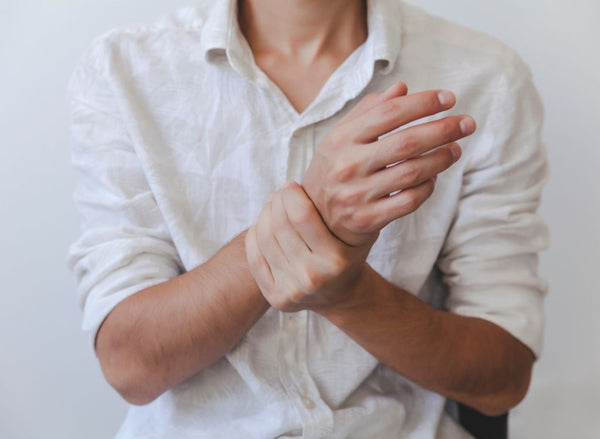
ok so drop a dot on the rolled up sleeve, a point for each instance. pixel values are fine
(490, 258)
(124, 245)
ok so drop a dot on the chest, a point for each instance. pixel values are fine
(215, 148)
(300, 83)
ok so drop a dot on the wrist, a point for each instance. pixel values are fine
(355, 294)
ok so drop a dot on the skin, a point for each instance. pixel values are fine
(164, 334)
(308, 247)
(300, 43)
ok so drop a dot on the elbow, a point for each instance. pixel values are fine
(132, 382)
(496, 407)
(136, 398)
(501, 401)
(504, 378)
(133, 391)
(126, 371)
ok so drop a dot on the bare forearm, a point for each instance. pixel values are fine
(165, 334)
(467, 359)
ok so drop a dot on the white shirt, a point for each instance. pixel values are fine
(180, 139)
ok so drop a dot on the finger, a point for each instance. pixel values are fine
(373, 99)
(399, 111)
(256, 262)
(414, 171)
(389, 208)
(417, 140)
(305, 219)
(291, 243)
(267, 244)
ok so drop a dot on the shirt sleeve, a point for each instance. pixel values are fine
(124, 245)
(490, 257)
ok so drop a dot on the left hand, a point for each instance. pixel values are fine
(296, 261)
(360, 181)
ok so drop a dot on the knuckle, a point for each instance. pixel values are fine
(407, 144)
(448, 158)
(346, 198)
(449, 127)
(411, 202)
(346, 168)
(432, 101)
(411, 173)
(390, 108)
(361, 221)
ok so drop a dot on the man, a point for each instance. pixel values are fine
(227, 300)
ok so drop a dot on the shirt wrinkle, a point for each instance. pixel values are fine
(179, 139)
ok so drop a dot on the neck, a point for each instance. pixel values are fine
(303, 29)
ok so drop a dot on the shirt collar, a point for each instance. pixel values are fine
(217, 27)
(221, 34)
(385, 31)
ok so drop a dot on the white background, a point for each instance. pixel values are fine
(50, 384)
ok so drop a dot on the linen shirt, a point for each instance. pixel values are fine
(180, 139)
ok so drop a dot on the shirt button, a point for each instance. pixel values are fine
(289, 323)
(308, 403)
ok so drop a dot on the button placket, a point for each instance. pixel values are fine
(296, 155)
(317, 417)
(310, 147)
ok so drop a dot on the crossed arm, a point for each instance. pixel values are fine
(307, 250)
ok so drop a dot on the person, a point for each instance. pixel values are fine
(280, 240)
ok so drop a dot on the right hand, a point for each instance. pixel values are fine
(296, 261)
(350, 179)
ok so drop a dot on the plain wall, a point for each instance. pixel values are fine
(50, 382)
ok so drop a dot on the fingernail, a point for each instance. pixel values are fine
(456, 152)
(467, 125)
(446, 98)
